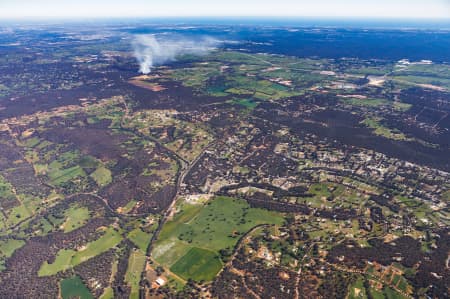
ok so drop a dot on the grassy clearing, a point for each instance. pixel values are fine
(7, 247)
(357, 290)
(167, 252)
(366, 102)
(67, 258)
(391, 294)
(218, 223)
(44, 227)
(376, 294)
(213, 226)
(441, 82)
(321, 189)
(257, 59)
(374, 71)
(428, 70)
(108, 293)
(62, 262)
(136, 264)
(236, 80)
(75, 217)
(246, 103)
(129, 206)
(402, 284)
(60, 176)
(329, 194)
(6, 189)
(17, 214)
(381, 130)
(139, 238)
(102, 176)
(239, 91)
(31, 142)
(74, 288)
(110, 239)
(401, 106)
(262, 89)
(198, 264)
(216, 90)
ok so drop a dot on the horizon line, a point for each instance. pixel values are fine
(235, 16)
(243, 17)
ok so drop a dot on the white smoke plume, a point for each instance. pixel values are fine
(151, 50)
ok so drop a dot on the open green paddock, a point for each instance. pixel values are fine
(212, 226)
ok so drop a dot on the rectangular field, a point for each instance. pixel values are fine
(198, 264)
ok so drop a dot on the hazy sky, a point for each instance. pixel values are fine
(142, 8)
